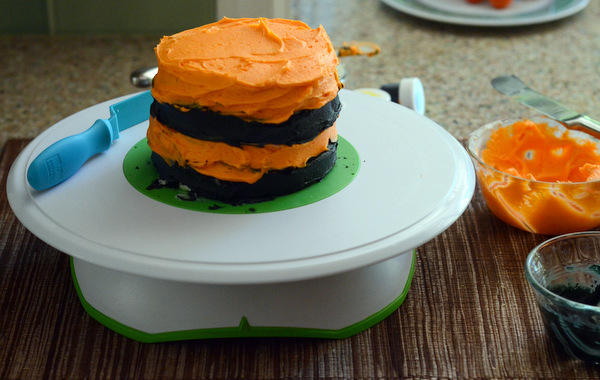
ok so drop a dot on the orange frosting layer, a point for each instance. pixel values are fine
(256, 69)
(535, 151)
(566, 197)
(246, 163)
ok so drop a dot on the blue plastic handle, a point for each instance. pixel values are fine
(63, 158)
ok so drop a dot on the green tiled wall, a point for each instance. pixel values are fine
(104, 16)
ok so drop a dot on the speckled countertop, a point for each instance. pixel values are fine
(46, 78)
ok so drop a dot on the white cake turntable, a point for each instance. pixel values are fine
(331, 268)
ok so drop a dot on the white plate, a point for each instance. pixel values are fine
(484, 8)
(415, 180)
(560, 9)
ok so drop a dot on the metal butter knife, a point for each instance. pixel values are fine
(63, 158)
(512, 86)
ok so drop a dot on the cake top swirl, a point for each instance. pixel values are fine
(257, 69)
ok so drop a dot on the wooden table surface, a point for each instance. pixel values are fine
(469, 314)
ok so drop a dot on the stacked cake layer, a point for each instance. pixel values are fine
(245, 109)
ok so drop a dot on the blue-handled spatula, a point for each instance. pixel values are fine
(63, 158)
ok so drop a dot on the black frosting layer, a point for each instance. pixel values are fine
(208, 125)
(272, 184)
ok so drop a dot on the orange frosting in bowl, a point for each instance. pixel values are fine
(538, 176)
(256, 69)
(535, 151)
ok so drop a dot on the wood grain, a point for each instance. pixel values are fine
(469, 314)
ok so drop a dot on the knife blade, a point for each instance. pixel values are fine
(63, 158)
(512, 86)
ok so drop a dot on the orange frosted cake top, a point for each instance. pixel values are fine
(256, 69)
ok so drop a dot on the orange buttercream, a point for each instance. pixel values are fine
(552, 186)
(246, 163)
(255, 69)
(535, 151)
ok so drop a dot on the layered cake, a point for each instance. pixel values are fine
(245, 109)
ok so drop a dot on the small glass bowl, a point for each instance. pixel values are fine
(565, 274)
(550, 208)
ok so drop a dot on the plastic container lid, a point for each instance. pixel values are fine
(408, 92)
(412, 94)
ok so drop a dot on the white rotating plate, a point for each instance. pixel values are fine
(558, 10)
(415, 180)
